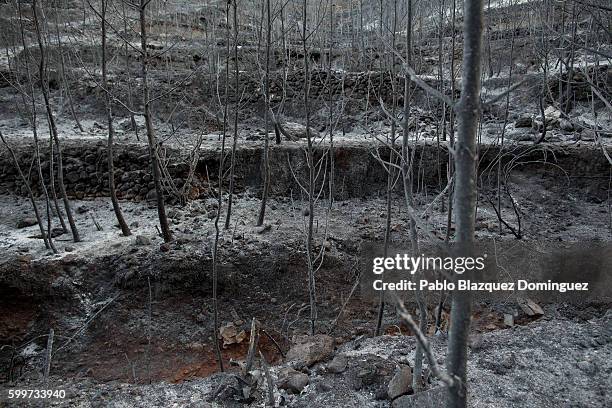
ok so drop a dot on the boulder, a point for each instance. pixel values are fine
(552, 115)
(337, 365)
(588, 135)
(227, 388)
(401, 383)
(432, 398)
(72, 177)
(525, 120)
(142, 240)
(566, 125)
(151, 195)
(127, 125)
(292, 380)
(309, 350)
(26, 222)
(295, 131)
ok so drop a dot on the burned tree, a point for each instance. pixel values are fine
(468, 111)
(54, 134)
(125, 229)
(154, 147)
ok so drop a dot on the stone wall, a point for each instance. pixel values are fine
(357, 172)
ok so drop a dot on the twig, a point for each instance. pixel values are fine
(48, 356)
(433, 364)
(96, 223)
(278, 347)
(87, 323)
(335, 322)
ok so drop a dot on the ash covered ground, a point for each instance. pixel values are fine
(133, 315)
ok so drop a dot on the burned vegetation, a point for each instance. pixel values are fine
(189, 191)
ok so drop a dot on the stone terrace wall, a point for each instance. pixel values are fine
(357, 173)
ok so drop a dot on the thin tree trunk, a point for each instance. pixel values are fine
(230, 198)
(451, 140)
(128, 72)
(63, 73)
(52, 126)
(58, 211)
(266, 150)
(34, 125)
(46, 239)
(311, 175)
(111, 133)
(391, 173)
(152, 139)
(465, 194)
(407, 176)
(331, 106)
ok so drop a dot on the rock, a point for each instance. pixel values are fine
(72, 177)
(263, 228)
(366, 377)
(231, 334)
(530, 307)
(227, 387)
(520, 136)
(337, 365)
(151, 195)
(26, 222)
(566, 125)
(502, 364)
(537, 125)
(292, 380)
(309, 350)
(142, 240)
(476, 341)
(165, 247)
(508, 319)
(324, 387)
(525, 120)
(295, 131)
(211, 204)
(587, 135)
(69, 248)
(401, 383)
(552, 114)
(57, 231)
(432, 398)
(126, 124)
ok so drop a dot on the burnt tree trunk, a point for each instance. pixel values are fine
(468, 111)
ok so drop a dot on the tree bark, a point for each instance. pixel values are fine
(52, 126)
(230, 198)
(468, 111)
(151, 138)
(111, 133)
(266, 148)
